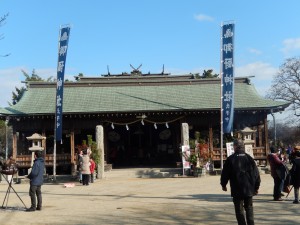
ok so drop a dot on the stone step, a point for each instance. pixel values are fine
(144, 172)
(107, 167)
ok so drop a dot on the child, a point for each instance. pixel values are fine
(92, 168)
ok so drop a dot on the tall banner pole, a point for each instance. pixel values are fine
(227, 81)
(62, 55)
(221, 99)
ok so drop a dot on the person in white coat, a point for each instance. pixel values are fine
(85, 167)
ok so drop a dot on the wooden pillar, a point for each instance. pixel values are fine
(254, 136)
(15, 141)
(72, 145)
(267, 147)
(106, 151)
(44, 143)
(211, 138)
(260, 135)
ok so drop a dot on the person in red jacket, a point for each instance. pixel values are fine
(92, 168)
(277, 172)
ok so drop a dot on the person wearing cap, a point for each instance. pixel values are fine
(295, 175)
(241, 170)
(36, 177)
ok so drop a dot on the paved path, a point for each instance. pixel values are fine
(144, 201)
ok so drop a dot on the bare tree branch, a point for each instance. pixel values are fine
(2, 21)
(3, 18)
(286, 83)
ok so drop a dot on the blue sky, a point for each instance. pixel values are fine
(182, 35)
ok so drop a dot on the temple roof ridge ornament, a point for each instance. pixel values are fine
(136, 71)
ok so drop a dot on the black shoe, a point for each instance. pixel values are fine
(296, 202)
(39, 208)
(282, 194)
(30, 209)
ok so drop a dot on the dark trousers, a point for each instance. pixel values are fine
(278, 187)
(92, 178)
(85, 179)
(296, 193)
(241, 204)
(35, 193)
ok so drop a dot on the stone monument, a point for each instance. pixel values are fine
(36, 145)
(248, 140)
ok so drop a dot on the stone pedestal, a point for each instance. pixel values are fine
(100, 148)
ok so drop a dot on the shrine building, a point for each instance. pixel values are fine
(135, 119)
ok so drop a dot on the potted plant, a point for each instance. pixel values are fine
(203, 155)
(192, 159)
(95, 154)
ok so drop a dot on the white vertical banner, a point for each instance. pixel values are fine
(186, 152)
(229, 148)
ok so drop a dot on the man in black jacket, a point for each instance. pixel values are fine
(36, 180)
(241, 170)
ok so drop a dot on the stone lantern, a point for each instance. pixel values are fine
(36, 144)
(248, 140)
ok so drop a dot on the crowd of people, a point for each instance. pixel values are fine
(283, 177)
(241, 171)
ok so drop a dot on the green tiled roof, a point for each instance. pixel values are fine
(113, 97)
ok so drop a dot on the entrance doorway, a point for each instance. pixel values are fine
(142, 146)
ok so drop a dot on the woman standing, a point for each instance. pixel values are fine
(85, 167)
